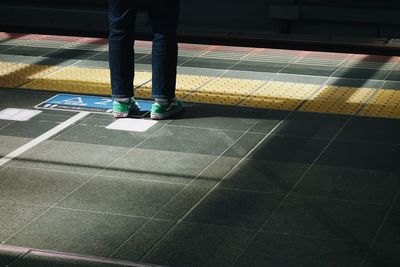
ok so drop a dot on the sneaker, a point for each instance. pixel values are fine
(122, 110)
(159, 112)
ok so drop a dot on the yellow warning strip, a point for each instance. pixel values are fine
(206, 89)
(338, 100)
(385, 103)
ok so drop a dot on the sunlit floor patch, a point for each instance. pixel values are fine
(338, 100)
(17, 114)
(132, 125)
(385, 103)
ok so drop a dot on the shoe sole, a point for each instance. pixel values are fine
(163, 116)
(119, 115)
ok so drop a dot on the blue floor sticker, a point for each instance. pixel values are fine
(96, 104)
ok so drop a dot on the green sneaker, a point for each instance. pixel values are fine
(122, 110)
(159, 112)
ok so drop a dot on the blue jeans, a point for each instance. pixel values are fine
(164, 20)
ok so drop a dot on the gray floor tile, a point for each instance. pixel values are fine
(48, 259)
(244, 145)
(122, 196)
(32, 128)
(219, 117)
(15, 216)
(210, 63)
(270, 249)
(249, 75)
(327, 218)
(72, 53)
(362, 155)
(4, 123)
(157, 165)
(309, 70)
(192, 193)
(269, 121)
(394, 76)
(64, 230)
(392, 85)
(235, 208)
(29, 51)
(382, 255)
(252, 66)
(390, 233)
(264, 176)
(89, 63)
(359, 73)
(143, 240)
(73, 157)
(191, 140)
(354, 82)
(21, 98)
(350, 184)
(37, 186)
(374, 130)
(289, 149)
(199, 245)
(284, 77)
(182, 203)
(10, 254)
(200, 71)
(311, 125)
(10, 143)
(93, 132)
(212, 175)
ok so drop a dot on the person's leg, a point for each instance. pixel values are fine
(122, 16)
(164, 20)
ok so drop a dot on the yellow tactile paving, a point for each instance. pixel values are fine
(184, 85)
(208, 89)
(280, 95)
(213, 98)
(231, 86)
(226, 91)
(385, 103)
(19, 74)
(337, 99)
(83, 80)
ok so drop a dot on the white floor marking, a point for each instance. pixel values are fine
(43, 137)
(133, 125)
(17, 114)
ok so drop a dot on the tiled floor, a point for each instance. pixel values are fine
(216, 186)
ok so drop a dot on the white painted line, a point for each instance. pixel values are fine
(132, 125)
(18, 114)
(43, 137)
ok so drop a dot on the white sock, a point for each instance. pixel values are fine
(122, 99)
(162, 101)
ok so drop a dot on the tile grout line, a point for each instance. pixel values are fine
(291, 190)
(366, 103)
(380, 227)
(90, 179)
(12, 164)
(45, 136)
(385, 218)
(186, 186)
(215, 186)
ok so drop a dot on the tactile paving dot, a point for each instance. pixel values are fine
(20, 74)
(4, 66)
(230, 86)
(213, 98)
(280, 95)
(385, 103)
(339, 100)
(81, 80)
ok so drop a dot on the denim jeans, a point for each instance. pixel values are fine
(164, 19)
